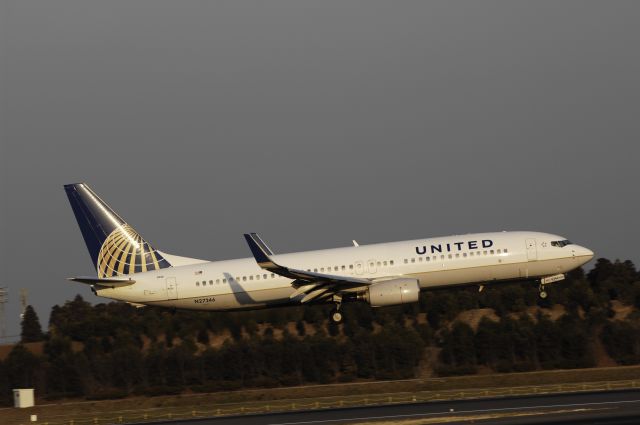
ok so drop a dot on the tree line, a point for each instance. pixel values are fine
(114, 350)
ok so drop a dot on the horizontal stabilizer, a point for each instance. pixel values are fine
(106, 282)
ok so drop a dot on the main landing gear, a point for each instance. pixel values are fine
(336, 314)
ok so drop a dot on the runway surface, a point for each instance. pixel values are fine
(612, 407)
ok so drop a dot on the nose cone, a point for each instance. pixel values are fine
(585, 254)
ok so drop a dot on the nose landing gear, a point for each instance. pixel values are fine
(547, 280)
(543, 293)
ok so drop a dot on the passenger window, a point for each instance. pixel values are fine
(464, 254)
(211, 282)
(420, 259)
(273, 275)
(457, 255)
(384, 263)
(197, 283)
(491, 252)
(391, 262)
(413, 260)
(343, 267)
(442, 257)
(224, 280)
(499, 251)
(428, 258)
(450, 256)
(505, 250)
(264, 276)
(406, 261)
(322, 269)
(350, 266)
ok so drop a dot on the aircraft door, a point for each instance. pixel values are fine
(359, 267)
(172, 288)
(532, 251)
(372, 266)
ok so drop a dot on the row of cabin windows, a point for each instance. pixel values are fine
(266, 276)
(237, 279)
(344, 268)
(457, 255)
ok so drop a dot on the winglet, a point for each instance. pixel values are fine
(260, 251)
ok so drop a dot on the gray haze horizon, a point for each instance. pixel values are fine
(313, 123)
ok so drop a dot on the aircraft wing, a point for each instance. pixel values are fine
(111, 282)
(313, 285)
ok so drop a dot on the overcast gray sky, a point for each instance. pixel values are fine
(314, 123)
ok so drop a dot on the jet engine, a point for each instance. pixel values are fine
(392, 292)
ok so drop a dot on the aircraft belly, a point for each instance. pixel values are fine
(234, 301)
(467, 275)
(546, 267)
(488, 273)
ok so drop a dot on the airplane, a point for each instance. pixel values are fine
(129, 269)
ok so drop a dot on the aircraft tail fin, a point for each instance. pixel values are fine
(115, 247)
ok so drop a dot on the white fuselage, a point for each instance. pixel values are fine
(436, 262)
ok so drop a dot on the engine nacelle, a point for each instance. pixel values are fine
(392, 292)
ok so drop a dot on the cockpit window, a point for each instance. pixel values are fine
(561, 243)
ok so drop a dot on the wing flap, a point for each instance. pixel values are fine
(303, 290)
(311, 295)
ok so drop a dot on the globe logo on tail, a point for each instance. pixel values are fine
(125, 252)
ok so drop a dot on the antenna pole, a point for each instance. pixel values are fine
(4, 298)
(23, 301)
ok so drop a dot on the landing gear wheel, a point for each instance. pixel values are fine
(336, 316)
(543, 293)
